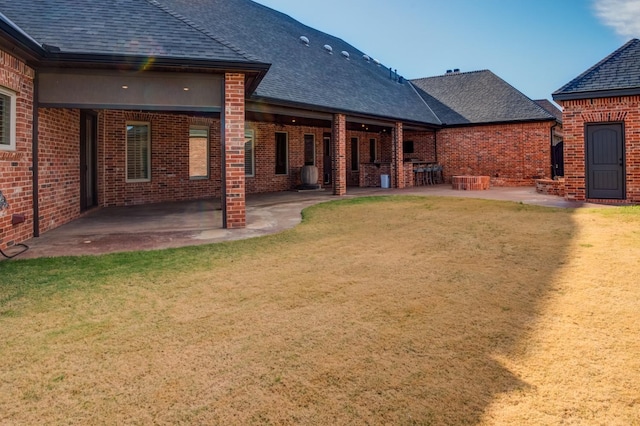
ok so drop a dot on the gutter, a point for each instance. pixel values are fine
(35, 191)
(356, 114)
(594, 94)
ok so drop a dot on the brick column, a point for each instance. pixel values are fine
(397, 165)
(339, 154)
(233, 184)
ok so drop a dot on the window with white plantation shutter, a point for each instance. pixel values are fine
(138, 152)
(249, 153)
(198, 152)
(7, 119)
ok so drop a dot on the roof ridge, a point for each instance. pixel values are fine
(425, 102)
(451, 74)
(612, 55)
(202, 30)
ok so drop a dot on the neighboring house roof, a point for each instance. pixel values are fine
(550, 108)
(306, 75)
(478, 97)
(616, 75)
(117, 27)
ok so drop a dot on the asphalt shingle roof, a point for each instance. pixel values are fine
(242, 31)
(117, 27)
(477, 97)
(618, 71)
(306, 75)
(550, 108)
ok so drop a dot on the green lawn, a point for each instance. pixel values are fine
(381, 310)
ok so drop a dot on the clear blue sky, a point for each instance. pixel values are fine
(535, 45)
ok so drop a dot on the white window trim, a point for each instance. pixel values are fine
(286, 164)
(12, 120)
(251, 134)
(126, 155)
(208, 154)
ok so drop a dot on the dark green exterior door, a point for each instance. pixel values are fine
(605, 161)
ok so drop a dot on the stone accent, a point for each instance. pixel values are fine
(470, 183)
(339, 154)
(234, 210)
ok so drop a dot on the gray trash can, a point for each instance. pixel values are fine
(384, 181)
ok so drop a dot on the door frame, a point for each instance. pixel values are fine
(621, 161)
(88, 160)
(327, 158)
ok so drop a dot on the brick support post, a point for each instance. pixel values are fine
(233, 185)
(339, 154)
(397, 166)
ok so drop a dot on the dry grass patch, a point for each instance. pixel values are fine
(388, 310)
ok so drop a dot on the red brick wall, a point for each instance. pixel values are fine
(423, 146)
(511, 154)
(339, 154)
(265, 179)
(576, 114)
(169, 159)
(397, 161)
(234, 135)
(15, 165)
(59, 151)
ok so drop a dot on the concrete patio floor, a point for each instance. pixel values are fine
(179, 224)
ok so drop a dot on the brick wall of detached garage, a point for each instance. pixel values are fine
(514, 154)
(15, 163)
(579, 113)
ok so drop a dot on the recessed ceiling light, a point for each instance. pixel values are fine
(186, 89)
(124, 86)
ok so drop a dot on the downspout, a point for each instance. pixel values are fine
(35, 160)
(223, 155)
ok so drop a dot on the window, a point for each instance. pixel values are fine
(373, 151)
(309, 150)
(355, 158)
(198, 152)
(249, 153)
(7, 119)
(407, 147)
(138, 152)
(281, 153)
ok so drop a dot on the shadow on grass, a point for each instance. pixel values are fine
(375, 310)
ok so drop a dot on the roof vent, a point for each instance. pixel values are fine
(377, 62)
(366, 58)
(328, 49)
(304, 40)
(345, 54)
